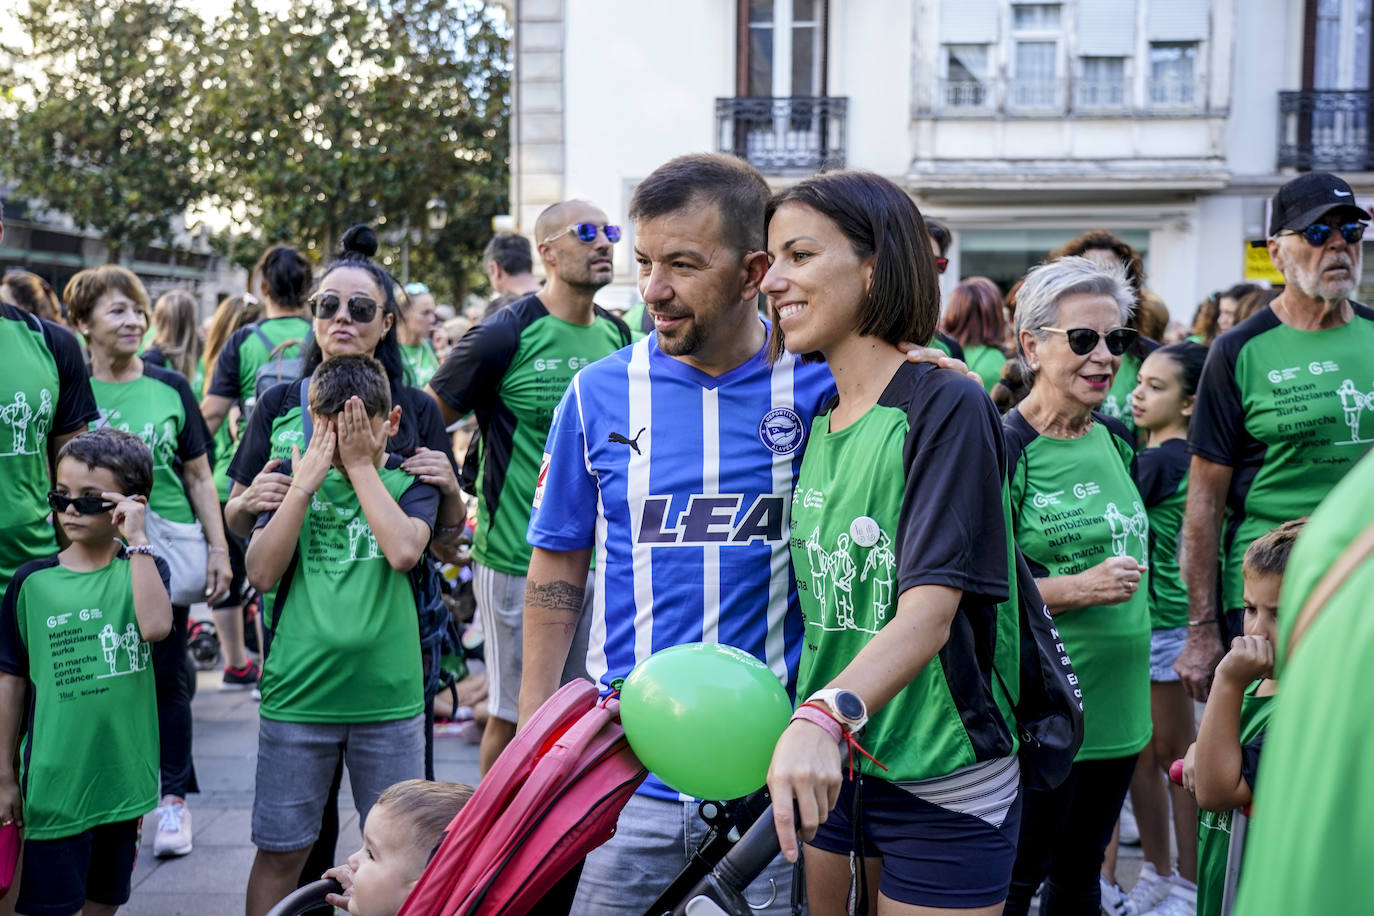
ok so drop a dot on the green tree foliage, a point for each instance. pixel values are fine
(98, 114)
(333, 113)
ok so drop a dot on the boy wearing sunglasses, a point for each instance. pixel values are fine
(1283, 407)
(88, 715)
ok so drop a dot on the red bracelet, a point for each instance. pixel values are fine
(809, 713)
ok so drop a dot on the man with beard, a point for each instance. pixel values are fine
(1269, 435)
(512, 369)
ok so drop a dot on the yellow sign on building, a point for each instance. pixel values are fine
(1258, 266)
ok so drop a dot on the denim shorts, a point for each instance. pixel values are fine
(296, 763)
(1166, 646)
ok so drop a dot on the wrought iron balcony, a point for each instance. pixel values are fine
(1326, 129)
(780, 136)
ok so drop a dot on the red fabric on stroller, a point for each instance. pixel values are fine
(552, 796)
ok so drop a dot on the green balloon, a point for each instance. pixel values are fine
(704, 718)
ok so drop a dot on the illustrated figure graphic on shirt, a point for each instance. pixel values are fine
(1354, 402)
(881, 561)
(145, 653)
(129, 641)
(17, 416)
(842, 582)
(356, 530)
(819, 561)
(42, 421)
(1121, 529)
(1111, 408)
(1139, 525)
(109, 645)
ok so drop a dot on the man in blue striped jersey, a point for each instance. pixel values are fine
(675, 458)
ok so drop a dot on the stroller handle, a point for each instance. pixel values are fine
(725, 884)
(302, 898)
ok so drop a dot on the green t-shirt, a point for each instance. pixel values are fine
(421, 362)
(1289, 412)
(160, 409)
(1310, 845)
(345, 637)
(90, 753)
(1074, 504)
(512, 369)
(43, 393)
(638, 320)
(236, 371)
(1118, 402)
(1161, 476)
(987, 362)
(1214, 828)
(865, 529)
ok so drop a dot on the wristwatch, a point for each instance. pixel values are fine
(845, 705)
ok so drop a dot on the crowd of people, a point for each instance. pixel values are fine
(790, 446)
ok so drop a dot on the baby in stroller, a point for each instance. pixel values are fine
(403, 830)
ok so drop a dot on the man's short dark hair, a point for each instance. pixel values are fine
(510, 252)
(940, 233)
(733, 185)
(123, 454)
(336, 380)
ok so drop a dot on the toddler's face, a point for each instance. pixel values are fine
(385, 869)
(1262, 606)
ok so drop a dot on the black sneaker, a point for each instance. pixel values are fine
(240, 678)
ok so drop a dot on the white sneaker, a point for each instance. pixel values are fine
(1182, 899)
(1113, 898)
(1148, 892)
(1129, 834)
(173, 837)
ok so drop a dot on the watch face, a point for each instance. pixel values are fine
(849, 704)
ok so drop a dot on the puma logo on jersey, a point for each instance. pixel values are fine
(632, 443)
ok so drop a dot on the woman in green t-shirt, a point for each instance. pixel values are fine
(413, 334)
(1082, 526)
(906, 610)
(974, 316)
(110, 307)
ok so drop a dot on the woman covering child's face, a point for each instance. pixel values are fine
(1158, 400)
(1262, 605)
(385, 869)
(76, 478)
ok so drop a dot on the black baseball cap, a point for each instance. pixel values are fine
(1307, 198)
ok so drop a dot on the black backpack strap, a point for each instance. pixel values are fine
(307, 424)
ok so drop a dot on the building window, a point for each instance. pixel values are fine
(1173, 73)
(966, 76)
(1037, 17)
(785, 48)
(1103, 82)
(1035, 34)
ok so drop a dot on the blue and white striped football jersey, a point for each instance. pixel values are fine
(683, 483)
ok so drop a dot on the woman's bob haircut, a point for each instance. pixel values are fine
(881, 221)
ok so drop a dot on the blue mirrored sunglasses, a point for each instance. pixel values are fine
(586, 232)
(1317, 234)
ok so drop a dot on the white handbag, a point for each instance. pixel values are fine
(182, 545)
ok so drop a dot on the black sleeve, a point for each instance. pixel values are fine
(952, 527)
(224, 381)
(194, 439)
(421, 501)
(255, 447)
(154, 357)
(1249, 759)
(14, 656)
(471, 375)
(955, 349)
(1217, 430)
(75, 400)
(266, 516)
(1159, 470)
(620, 325)
(429, 425)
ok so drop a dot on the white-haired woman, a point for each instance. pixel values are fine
(1081, 524)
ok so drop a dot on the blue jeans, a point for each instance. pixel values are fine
(654, 839)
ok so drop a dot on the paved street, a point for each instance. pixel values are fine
(210, 881)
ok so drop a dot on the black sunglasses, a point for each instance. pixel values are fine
(85, 505)
(586, 232)
(1318, 233)
(1084, 340)
(360, 308)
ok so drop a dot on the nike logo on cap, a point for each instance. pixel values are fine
(1341, 193)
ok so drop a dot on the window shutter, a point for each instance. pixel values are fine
(968, 21)
(1177, 20)
(1106, 28)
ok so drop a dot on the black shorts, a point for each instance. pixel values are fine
(931, 856)
(238, 573)
(60, 875)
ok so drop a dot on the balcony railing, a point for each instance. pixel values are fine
(784, 135)
(1326, 129)
(1107, 97)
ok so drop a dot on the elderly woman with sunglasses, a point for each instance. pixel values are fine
(1081, 525)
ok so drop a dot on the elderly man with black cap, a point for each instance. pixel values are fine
(1285, 407)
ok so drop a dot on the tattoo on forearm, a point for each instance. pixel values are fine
(555, 596)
